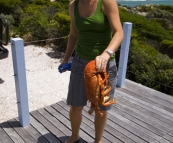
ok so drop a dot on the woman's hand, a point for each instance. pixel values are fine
(101, 62)
(62, 63)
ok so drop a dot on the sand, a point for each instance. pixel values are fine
(45, 85)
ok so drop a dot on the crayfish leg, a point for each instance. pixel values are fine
(110, 102)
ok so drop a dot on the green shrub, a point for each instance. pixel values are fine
(161, 16)
(146, 28)
(41, 2)
(8, 6)
(167, 8)
(59, 26)
(144, 8)
(34, 22)
(147, 66)
(64, 23)
(164, 77)
(167, 48)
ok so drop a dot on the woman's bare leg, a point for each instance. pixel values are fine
(100, 122)
(75, 120)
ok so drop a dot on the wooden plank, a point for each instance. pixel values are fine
(91, 130)
(136, 126)
(129, 83)
(145, 113)
(106, 134)
(36, 135)
(58, 116)
(171, 133)
(138, 121)
(11, 132)
(150, 97)
(4, 138)
(21, 131)
(122, 130)
(125, 132)
(110, 136)
(56, 123)
(85, 117)
(63, 104)
(147, 100)
(43, 131)
(49, 126)
(109, 130)
(66, 122)
(66, 131)
(145, 103)
(130, 127)
(164, 141)
(116, 135)
(168, 137)
(132, 112)
(67, 108)
(86, 129)
(155, 113)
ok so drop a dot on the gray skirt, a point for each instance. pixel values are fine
(77, 92)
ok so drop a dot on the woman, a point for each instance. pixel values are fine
(95, 33)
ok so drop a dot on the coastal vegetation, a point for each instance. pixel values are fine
(151, 49)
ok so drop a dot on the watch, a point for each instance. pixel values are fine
(110, 52)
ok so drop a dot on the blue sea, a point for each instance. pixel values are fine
(133, 3)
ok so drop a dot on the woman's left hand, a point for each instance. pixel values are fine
(101, 62)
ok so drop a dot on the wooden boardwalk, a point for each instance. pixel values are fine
(141, 115)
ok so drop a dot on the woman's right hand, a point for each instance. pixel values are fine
(62, 63)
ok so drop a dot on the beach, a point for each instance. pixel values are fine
(45, 85)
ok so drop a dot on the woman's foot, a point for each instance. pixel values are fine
(72, 140)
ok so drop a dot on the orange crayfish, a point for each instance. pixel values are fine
(97, 88)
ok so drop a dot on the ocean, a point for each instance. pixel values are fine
(133, 3)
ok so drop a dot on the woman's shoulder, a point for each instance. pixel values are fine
(72, 3)
(109, 2)
(109, 5)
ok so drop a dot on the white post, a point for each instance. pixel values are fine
(20, 80)
(124, 52)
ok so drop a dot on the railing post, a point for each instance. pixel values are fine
(20, 80)
(124, 52)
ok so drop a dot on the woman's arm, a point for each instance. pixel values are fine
(110, 9)
(73, 35)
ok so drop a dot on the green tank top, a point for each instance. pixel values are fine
(94, 33)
